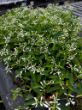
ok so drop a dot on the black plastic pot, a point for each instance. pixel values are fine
(40, 108)
(6, 85)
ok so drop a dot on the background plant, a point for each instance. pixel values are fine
(41, 48)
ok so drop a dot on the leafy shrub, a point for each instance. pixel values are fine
(40, 46)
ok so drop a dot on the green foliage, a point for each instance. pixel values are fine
(40, 46)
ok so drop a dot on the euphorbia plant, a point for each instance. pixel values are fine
(40, 46)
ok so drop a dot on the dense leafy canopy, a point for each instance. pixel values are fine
(40, 46)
